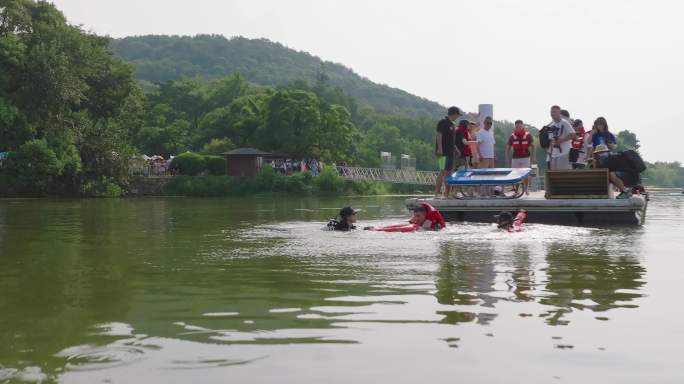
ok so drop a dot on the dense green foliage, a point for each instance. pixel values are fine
(33, 167)
(269, 181)
(66, 104)
(627, 140)
(216, 165)
(298, 120)
(162, 58)
(189, 164)
(669, 175)
(218, 146)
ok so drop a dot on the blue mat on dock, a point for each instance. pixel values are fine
(489, 176)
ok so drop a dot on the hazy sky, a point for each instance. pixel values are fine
(622, 59)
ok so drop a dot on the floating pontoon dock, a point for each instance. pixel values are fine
(554, 211)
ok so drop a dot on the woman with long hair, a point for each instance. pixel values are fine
(601, 135)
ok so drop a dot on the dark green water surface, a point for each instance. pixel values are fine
(175, 290)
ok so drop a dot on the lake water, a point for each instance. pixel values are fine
(175, 290)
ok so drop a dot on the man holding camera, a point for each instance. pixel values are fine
(561, 135)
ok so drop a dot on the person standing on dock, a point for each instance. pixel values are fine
(461, 138)
(472, 144)
(566, 115)
(581, 145)
(445, 149)
(486, 142)
(522, 145)
(561, 135)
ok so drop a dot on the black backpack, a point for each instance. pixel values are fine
(633, 157)
(544, 139)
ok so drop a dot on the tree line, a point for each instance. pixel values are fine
(67, 105)
(298, 120)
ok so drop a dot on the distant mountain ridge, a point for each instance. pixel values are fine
(160, 58)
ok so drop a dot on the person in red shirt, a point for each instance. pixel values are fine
(461, 139)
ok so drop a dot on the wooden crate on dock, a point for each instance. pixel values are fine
(577, 184)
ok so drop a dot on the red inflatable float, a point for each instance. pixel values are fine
(408, 227)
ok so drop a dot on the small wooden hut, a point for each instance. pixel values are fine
(244, 161)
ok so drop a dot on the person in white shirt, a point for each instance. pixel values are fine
(485, 143)
(561, 135)
(565, 114)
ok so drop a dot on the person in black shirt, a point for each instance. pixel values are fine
(444, 148)
(346, 222)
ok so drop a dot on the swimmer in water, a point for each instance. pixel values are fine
(425, 217)
(506, 221)
(420, 219)
(346, 222)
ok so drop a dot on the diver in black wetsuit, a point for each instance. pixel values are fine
(346, 222)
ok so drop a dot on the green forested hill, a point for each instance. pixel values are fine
(161, 58)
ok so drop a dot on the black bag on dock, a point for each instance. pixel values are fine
(544, 139)
(636, 160)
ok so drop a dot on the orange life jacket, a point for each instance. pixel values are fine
(521, 144)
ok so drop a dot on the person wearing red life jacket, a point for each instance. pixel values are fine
(425, 217)
(472, 144)
(580, 146)
(520, 150)
(461, 140)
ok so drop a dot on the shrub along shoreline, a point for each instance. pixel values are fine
(270, 181)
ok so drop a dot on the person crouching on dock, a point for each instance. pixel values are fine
(623, 173)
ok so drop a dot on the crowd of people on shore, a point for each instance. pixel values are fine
(460, 143)
(290, 166)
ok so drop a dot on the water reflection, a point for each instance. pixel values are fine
(583, 279)
(592, 273)
(466, 276)
(182, 284)
(523, 274)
